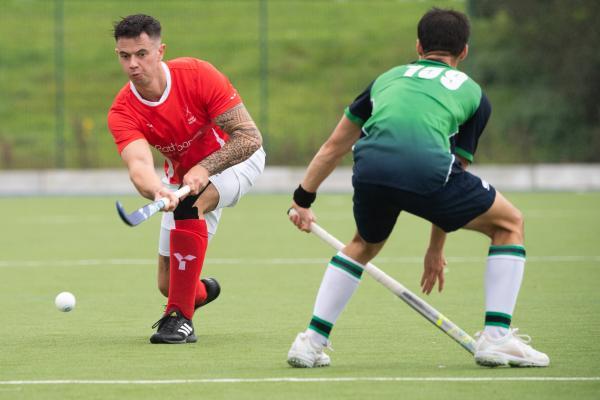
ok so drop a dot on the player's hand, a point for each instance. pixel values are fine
(433, 272)
(302, 218)
(173, 200)
(197, 179)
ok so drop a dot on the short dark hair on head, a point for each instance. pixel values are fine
(443, 30)
(134, 25)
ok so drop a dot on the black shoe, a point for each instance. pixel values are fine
(173, 328)
(213, 290)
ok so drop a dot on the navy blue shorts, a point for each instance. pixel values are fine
(463, 198)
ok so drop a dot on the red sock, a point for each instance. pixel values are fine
(200, 294)
(188, 247)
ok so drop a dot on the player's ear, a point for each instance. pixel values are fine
(161, 50)
(419, 48)
(463, 54)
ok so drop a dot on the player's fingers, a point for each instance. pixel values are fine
(299, 222)
(424, 280)
(305, 225)
(427, 288)
(296, 222)
(190, 183)
(293, 218)
(441, 281)
(173, 203)
(302, 226)
(169, 206)
(195, 183)
(194, 188)
(429, 282)
(433, 280)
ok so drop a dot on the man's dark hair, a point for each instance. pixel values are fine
(443, 30)
(133, 26)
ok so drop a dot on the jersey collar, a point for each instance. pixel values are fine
(433, 62)
(165, 94)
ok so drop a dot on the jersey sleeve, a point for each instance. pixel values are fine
(216, 92)
(361, 108)
(123, 128)
(467, 138)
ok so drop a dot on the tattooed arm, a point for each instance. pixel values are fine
(244, 140)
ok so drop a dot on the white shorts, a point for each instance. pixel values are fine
(231, 184)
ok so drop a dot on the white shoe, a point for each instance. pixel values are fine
(305, 353)
(511, 349)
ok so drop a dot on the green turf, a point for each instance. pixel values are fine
(270, 274)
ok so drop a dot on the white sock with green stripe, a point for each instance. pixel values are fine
(503, 276)
(341, 279)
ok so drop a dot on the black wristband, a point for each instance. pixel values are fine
(303, 198)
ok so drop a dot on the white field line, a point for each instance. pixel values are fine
(304, 380)
(273, 261)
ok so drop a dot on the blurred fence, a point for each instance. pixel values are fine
(277, 179)
(296, 63)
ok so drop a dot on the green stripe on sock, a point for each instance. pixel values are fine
(498, 314)
(320, 326)
(507, 326)
(343, 264)
(493, 318)
(511, 250)
(514, 247)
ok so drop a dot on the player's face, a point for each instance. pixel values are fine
(140, 58)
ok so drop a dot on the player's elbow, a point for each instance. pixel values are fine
(255, 142)
(136, 174)
(333, 150)
(250, 140)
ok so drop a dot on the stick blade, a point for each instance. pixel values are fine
(141, 214)
(132, 219)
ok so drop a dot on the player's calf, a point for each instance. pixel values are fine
(188, 242)
(207, 290)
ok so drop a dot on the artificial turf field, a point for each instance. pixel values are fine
(269, 274)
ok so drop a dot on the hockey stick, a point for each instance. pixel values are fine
(417, 304)
(142, 214)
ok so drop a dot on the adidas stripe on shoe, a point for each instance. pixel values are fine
(173, 328)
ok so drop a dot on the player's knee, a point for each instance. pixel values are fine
(361, 251)
(517, 221)
(510, 229)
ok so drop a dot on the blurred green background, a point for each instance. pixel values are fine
(297, 64)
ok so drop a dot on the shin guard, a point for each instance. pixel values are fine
(188, 248)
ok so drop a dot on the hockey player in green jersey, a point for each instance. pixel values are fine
(413, 132)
